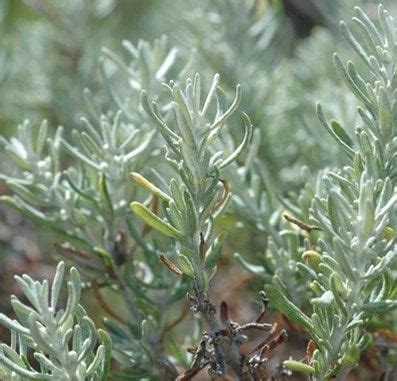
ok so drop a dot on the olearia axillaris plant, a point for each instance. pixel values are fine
(352, 266)
(107, 147)
(192, 203)
(238, 40)
(288, 238)
(62, 340)
(338, 232)
(86, 203)
(149, 68)
(193, 200)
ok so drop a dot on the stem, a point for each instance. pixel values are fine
(208, 312)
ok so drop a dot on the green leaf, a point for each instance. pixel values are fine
(104, 256)
(247, 136)
(36, 215)
(17, 158)
(380, 307)
(41, 137)
(90, 143)
(355, 89)
(167, 134)
(281, 302)
(232, 108)
(325, 299)
(255, 269)
(333, 212)
(145, 183)
(365, 341)
(331, 131)
(22, 371)
(104, 194)
(385, 115)
(215, 250)
(341, 132)
(313, 257)
(107, 343)
(185, 265)
(57, 284)
(155, 222)
(298, 366)
(79, 156)
(354, 43)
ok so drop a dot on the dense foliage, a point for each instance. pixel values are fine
(198, 190)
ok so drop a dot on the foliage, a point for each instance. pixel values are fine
(160, 179)
(355, 208)
(63, 341)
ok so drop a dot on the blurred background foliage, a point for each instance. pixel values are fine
(280, 51)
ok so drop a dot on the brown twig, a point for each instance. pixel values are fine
(219, 348)
(300, 224)
(254, 325)
(171, 265)
(282, 336)
(203, 248)
(200, 361)
(310, 348)
(81, 257)
(265, 302)
(271, 336)
(201, 304)
(103, 304)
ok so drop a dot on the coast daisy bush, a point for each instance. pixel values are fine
(212, 199)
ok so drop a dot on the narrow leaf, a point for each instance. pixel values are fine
(281, 302)
(154, 221)
(150, 186)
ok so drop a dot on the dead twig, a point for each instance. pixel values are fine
(101, 301)
(301, 224)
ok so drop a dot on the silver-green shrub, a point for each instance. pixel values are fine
(162, 177)
(350, 265)
(62, 340)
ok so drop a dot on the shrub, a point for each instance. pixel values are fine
(160, 182)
